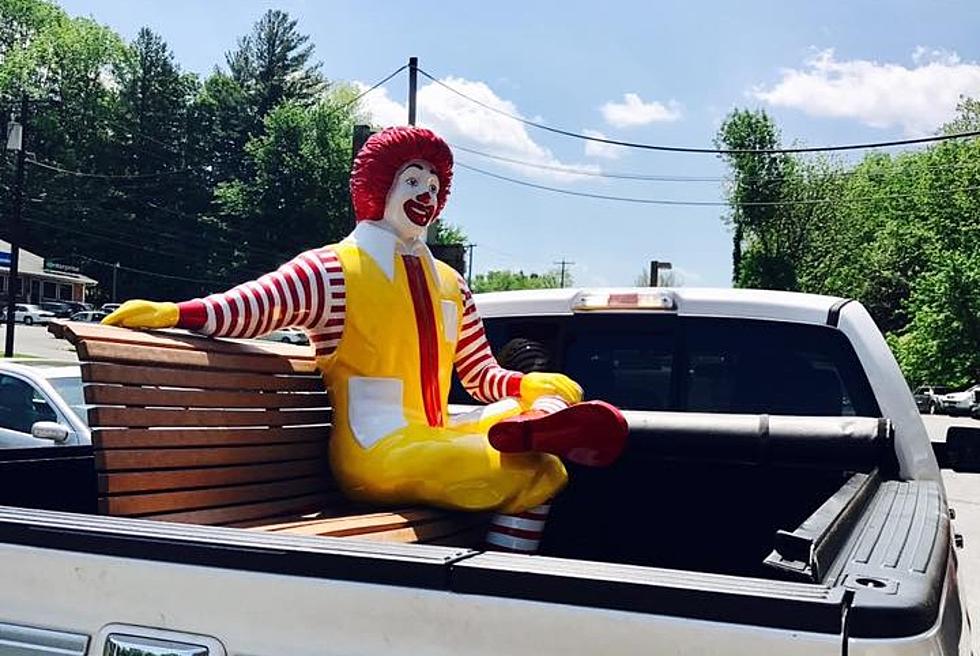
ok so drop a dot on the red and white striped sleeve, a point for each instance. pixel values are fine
(308, 292)
(476, 366)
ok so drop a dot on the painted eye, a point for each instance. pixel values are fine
(433, 189)
(412, 182)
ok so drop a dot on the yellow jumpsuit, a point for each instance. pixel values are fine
(384, 448)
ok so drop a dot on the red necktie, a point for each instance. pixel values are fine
(425, 320)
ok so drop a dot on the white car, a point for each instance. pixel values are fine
(958, 403)
(89, 316)
(41, 404)
(287, 336)
(29, 314)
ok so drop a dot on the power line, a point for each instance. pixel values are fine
(654, 177)
(107, 176)
(596, 174)
(709, 151)
(699, 203)
(377, 84)
(156, 274)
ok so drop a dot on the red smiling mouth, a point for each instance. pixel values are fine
(418, 213)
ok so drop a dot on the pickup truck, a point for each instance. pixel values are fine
(779, 494)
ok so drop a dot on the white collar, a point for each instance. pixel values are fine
(383, 246)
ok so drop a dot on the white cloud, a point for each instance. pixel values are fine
(918, 99)
(460, 121)
(633, 111)
(599, 149)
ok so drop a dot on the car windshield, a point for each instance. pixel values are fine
(70, 389)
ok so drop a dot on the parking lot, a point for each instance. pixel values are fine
(35, 341)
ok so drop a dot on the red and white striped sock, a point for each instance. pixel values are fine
(549, 404)
(519, 533)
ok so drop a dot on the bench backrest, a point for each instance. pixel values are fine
(206, 431)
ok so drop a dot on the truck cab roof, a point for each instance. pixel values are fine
(739, 303)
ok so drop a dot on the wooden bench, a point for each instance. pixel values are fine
(221, 432)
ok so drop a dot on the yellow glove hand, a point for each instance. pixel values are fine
(537, 384)
(144, 314)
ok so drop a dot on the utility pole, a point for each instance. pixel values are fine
(564, 264)
(469, 265)
(16, 142)
(655, 269)
(115, 273)
(413, 79)
(358, 138)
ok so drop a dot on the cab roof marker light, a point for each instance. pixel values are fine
(626, 301)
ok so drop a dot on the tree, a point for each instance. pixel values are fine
(759, 225)
(272, 65)
(153, 101)
(941, 344)
(298, 197)
(502, 280)
(448, 234)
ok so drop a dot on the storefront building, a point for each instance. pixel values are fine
(40, 280)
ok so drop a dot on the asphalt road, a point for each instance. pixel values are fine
(963, 489)
(37, 342)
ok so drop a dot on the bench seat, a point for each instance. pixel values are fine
(230, 433)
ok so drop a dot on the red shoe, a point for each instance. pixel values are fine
(592, 433)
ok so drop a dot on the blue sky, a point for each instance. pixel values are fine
(829, 72)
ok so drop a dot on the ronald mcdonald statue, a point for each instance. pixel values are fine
(388, 323)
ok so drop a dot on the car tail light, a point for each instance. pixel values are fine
(627, 300)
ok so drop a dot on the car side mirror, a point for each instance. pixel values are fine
(50, 430)
(961, 450)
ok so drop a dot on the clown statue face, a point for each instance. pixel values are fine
(412, 202)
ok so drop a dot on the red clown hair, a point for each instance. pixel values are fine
(380, 158)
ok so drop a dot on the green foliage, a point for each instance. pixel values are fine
(297, 197)
(448, 234)
(899, 233)
(503, 280)
(236, 172)
(272, 64)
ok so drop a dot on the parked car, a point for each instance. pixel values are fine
(41, 404)
(110, 307)
(927, 398)
(78, 306)
(287, 336)
(29, 314)
(57, 308)
(90, 316)
(958, 403)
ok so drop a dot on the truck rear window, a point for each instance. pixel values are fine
(695, 364)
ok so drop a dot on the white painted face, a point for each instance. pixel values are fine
(412, 200)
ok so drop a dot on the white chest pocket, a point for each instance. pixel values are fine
(376, 408)
(450, 321)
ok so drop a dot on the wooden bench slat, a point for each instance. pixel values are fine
(150, 459)
(153, 396)
(168, 357)
(179, 479)
(146, 417)
(151, 438)
(89, 332)
(144, 504)
(473, 536)
(349, 525)
(104, 372)
(230, 515)
(422, 533)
